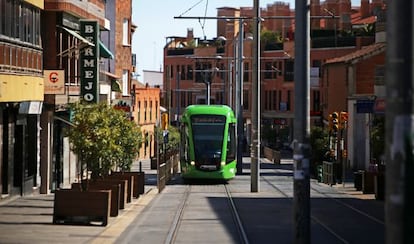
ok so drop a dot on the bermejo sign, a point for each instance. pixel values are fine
(89, 56)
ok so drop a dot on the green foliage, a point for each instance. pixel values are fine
(319, 142)
(103, 138)
(173, 137)
(271, 40)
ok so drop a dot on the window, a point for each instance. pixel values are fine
(150, 111)
(139, 112)
(274, 100)
(231, 143)
(125, 83)
(125, 32)
(246, 100)
(183, 74)
(145, 110)
(246, 72)
(20, 21)
(156, 110)
(289, 67)
(189, 72)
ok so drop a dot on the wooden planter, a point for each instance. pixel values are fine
(102, 185)
(139, 181)
(73, 206)
(123, 194)
(129, 178)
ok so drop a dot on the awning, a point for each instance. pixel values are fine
(104, 52)
(115, 85)
(75, 34)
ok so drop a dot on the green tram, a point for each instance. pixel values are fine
(208, 142)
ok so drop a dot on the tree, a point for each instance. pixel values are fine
(319, 142)
(103, 138)
(271, 40)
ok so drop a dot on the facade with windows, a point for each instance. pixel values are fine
(146, 113)
(64, 44)
(21, 95)
(193, 65)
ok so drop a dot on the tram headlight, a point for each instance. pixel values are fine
(192, 163)
(223, 163)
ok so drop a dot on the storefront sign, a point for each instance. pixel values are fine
(54, 81)
(89, 62)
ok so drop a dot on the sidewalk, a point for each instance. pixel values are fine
(28, 219)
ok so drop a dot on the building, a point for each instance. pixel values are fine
(355, 83)
(195, 69)
(118, 39)
(21, 96)
(153, 78)
(146, 113)
(66, 42)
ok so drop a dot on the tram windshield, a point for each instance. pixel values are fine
(208, 132)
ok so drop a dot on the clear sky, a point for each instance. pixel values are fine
(155, 21)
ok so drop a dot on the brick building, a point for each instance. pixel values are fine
(21, 96)
(191, 62)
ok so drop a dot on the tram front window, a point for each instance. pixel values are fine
(208, 134)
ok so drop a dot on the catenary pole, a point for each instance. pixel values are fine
(255, 133)
(301, 150)
(399, 123)
(239, 90)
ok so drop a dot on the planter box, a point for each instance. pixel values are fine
(358, 180)
(72, 206)
(102, 185)
(130, 185)
(139, 181)
(123, 194)
(368, 182)
(154, 163)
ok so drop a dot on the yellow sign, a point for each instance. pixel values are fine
(54, 81)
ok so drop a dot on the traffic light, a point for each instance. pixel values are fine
(335, 123)
(330, 122)
(343, 119)
(164, 121)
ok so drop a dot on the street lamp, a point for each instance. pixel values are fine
(205, 75)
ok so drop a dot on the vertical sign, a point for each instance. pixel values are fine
(89, 62)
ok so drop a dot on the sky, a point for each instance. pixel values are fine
(155, 21)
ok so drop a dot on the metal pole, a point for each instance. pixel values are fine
(255, 134)
(239, 108)
(399, 123)
(177, 93)
(301, 153)
(230, 84)
(207, 82)
(208, 92)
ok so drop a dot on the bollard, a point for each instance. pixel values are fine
(140, 166)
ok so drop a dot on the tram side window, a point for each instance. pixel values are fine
(184, 144)
(231, 143)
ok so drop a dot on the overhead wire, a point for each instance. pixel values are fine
(199, 20)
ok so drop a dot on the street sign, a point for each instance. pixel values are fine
(365, 106)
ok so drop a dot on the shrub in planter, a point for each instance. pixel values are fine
(103, 138)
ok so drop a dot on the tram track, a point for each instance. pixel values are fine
(183, 207)
(318, 220)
